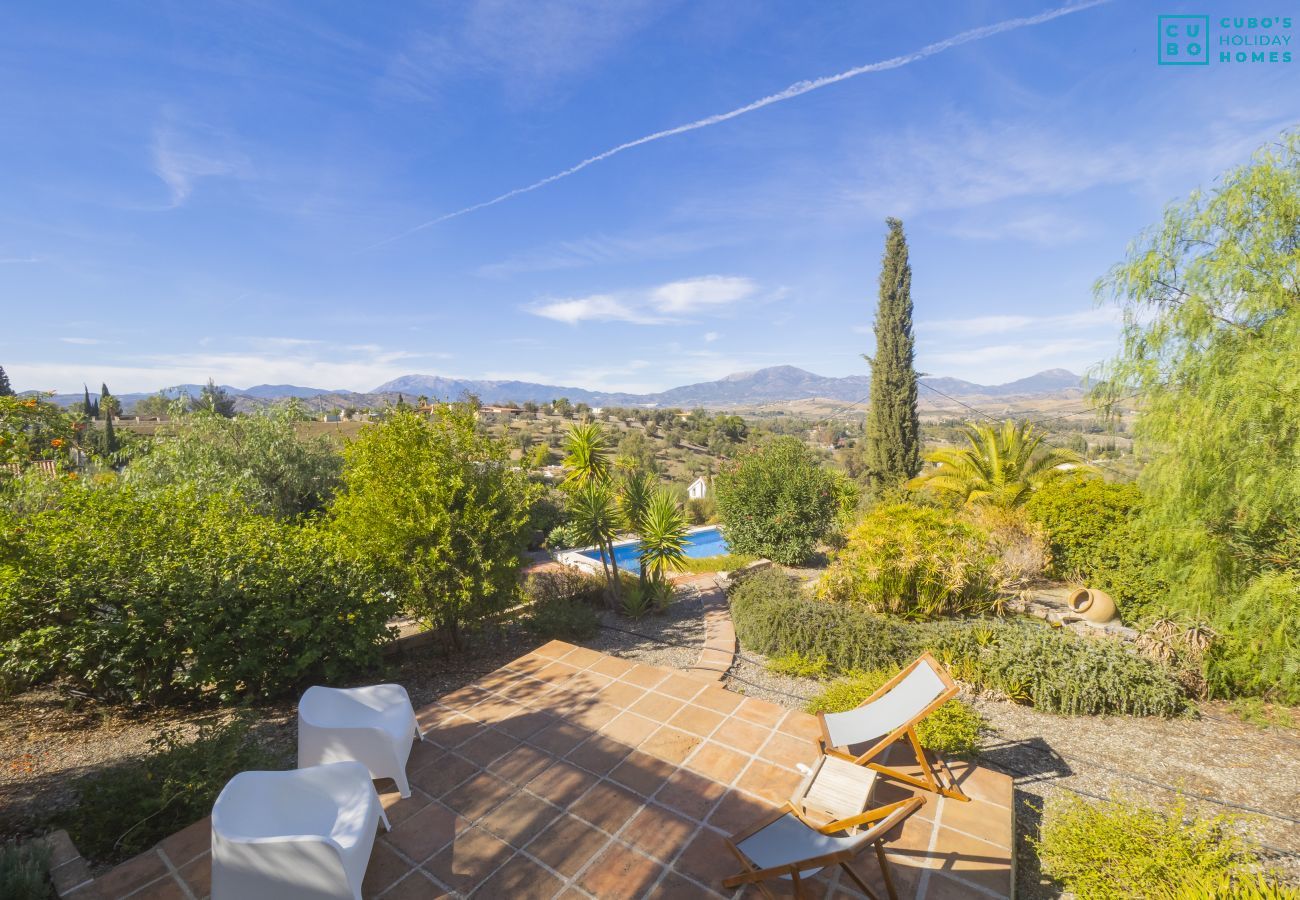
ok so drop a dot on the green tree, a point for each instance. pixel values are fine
(893, 440)
(5, 389)
(777, 501)
(1211, 323)
(1000, 466)
(587, 448)
(215, 399)
(438, 505)
(258, 456)
(34, 429)
(563, 407)
(637, 453)
(158, 405)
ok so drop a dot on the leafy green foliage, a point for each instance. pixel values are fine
(916, 562)
(1211, 326)
(259, 456)
(953, 728)
(1253, 660)
(999, 467)
(1125, 848)
(797, 665)
(160, 596)
(125, 809)
(1097, 537)
(562, 604)
(662, 530)
(32, 429)
(893, 430)
(25, 868)
(777, 501)
(438, 506)
(1055, 670)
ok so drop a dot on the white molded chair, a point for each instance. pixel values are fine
(890, 713)
(372, 725)
(305, 834)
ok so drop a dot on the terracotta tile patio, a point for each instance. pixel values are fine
(572, 774)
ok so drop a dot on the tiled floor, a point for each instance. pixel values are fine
(572, 774)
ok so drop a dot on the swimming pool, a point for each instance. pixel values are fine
(700, 542)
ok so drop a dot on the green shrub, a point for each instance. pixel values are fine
(777, 501)
(1080, 514)
(162, 595)
(1125, 849)
(1258, 650)
(1055, 670)
(25, 872)
(562, 603)
(128, 808)
(914, 561)
(1095, 537)
(952, 728)
(261, 456)
(799, 666)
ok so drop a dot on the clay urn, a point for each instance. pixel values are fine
(1092, 604)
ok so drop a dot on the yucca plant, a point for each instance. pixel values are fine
(663, 540)
(587, 447)
(1000, 467)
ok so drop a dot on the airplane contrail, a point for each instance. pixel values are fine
(799, 88)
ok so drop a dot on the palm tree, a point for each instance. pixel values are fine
(595, 515)
(1001, 467)
(634, 497)
(588, 458)
(663, 537)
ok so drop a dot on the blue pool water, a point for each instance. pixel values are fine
(706, 542)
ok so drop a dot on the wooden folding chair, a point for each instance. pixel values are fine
(887, 715)
(786, 845)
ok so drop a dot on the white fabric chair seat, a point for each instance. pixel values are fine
(372, 725)
(305, 834)
(788, 840)
(872, 721)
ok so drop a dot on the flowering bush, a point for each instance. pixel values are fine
(32, 429)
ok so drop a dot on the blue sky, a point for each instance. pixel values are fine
(230, 189)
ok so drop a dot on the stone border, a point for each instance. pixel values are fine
(719, 651)
(68, 871)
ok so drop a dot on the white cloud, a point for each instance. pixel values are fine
(1047, 229)
(325, 366)
(710, 336)
(180, 159)
(601, 249)
(81, 340)
(1101, 317)
(671, 302)
(595, 308)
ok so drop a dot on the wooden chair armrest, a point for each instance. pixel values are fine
(863, 818)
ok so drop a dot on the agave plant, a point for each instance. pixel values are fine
(1001, 466)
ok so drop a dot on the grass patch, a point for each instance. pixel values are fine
(1124, 848)
(727, 562)
(1261, 714)
(25, 872)
(953, 728)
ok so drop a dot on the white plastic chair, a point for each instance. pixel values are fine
(372, 725)
(305, 834)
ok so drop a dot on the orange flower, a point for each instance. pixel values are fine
(72, 476)
(56, 443)
(30, 404)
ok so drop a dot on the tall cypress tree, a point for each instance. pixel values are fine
(85, 404)
(5, 389)
(893, 448)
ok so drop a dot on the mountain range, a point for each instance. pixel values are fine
(771, 385)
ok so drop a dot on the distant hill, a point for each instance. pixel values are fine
(771, 385)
